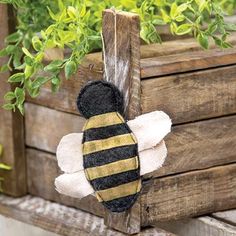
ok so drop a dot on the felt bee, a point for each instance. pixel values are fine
(110, 156)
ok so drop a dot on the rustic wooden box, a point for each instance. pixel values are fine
(197, 89)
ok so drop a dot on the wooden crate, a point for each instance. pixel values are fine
(195, 87)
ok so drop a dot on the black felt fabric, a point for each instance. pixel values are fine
(117, 179)
(110, 155)
(99, 97)
(121, 204)
(107, 132)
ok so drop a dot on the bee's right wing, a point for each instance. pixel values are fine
(70, 160)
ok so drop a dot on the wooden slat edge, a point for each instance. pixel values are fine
(189, 194)
(60, 219)
(192, 96)
(185, 62)
(11, 127)
(204, 226)
(226, 216)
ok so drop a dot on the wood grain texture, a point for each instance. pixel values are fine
(190, 146)
(53, 217)
(189, 194)
(42, 169)
(92, 69)
(60, 219)
(122, 56)
(11, 129)
(184, 62)
(226, 216)
(202, 226)
(192, 96)
(199, 145)
(45, 127)
(120, 32)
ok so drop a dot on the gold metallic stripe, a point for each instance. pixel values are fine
(122, 190)
(112, 168)
(108, 143)
(103, 120)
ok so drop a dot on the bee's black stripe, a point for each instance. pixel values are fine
(121, 204)
(105, 132)
(115, 180)
(110, 155)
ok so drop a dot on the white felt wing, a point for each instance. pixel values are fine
(153, 158)
(150, 129)
(73, 185)
(70, 160)
(69, 153)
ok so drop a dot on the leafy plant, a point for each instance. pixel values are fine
(2, 167)
(76, 24)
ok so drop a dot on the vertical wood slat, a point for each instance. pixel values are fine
(11, 128)
(121, 54)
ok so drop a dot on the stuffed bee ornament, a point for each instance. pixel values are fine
(110, 156)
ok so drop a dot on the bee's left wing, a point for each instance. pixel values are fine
(150, 129)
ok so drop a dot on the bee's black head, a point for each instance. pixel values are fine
(99, 97)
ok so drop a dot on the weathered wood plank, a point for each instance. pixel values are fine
(92, 69)
(199, 145)
(122, 56)
(202, 226)
(166, 198)
(192, 96)
(60, 219)
(226, 216)
(184, 62)
(191, 146)
(42, 169)
(47, 137)
(122, 67)
(11, 129)
(189, 194)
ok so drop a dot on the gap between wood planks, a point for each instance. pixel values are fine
(173, 125)
(187, 72)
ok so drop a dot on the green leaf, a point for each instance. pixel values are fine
(26, 52)
(53, 66)
(29, 71)
(165, 16)
(8, 106)
(13, 38)
(20, 108)
(9, 96)
(3, 52)
(10, 49)
(230, 27)
(173, 10)
(70, 69)
(18, 77)
(4, 68)
(37, 44)
(183, 29)
(39, 81)
(28, 60)
(203, 40)
(20, 95)
(5, 167)
(71, 12)
(55, 84)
